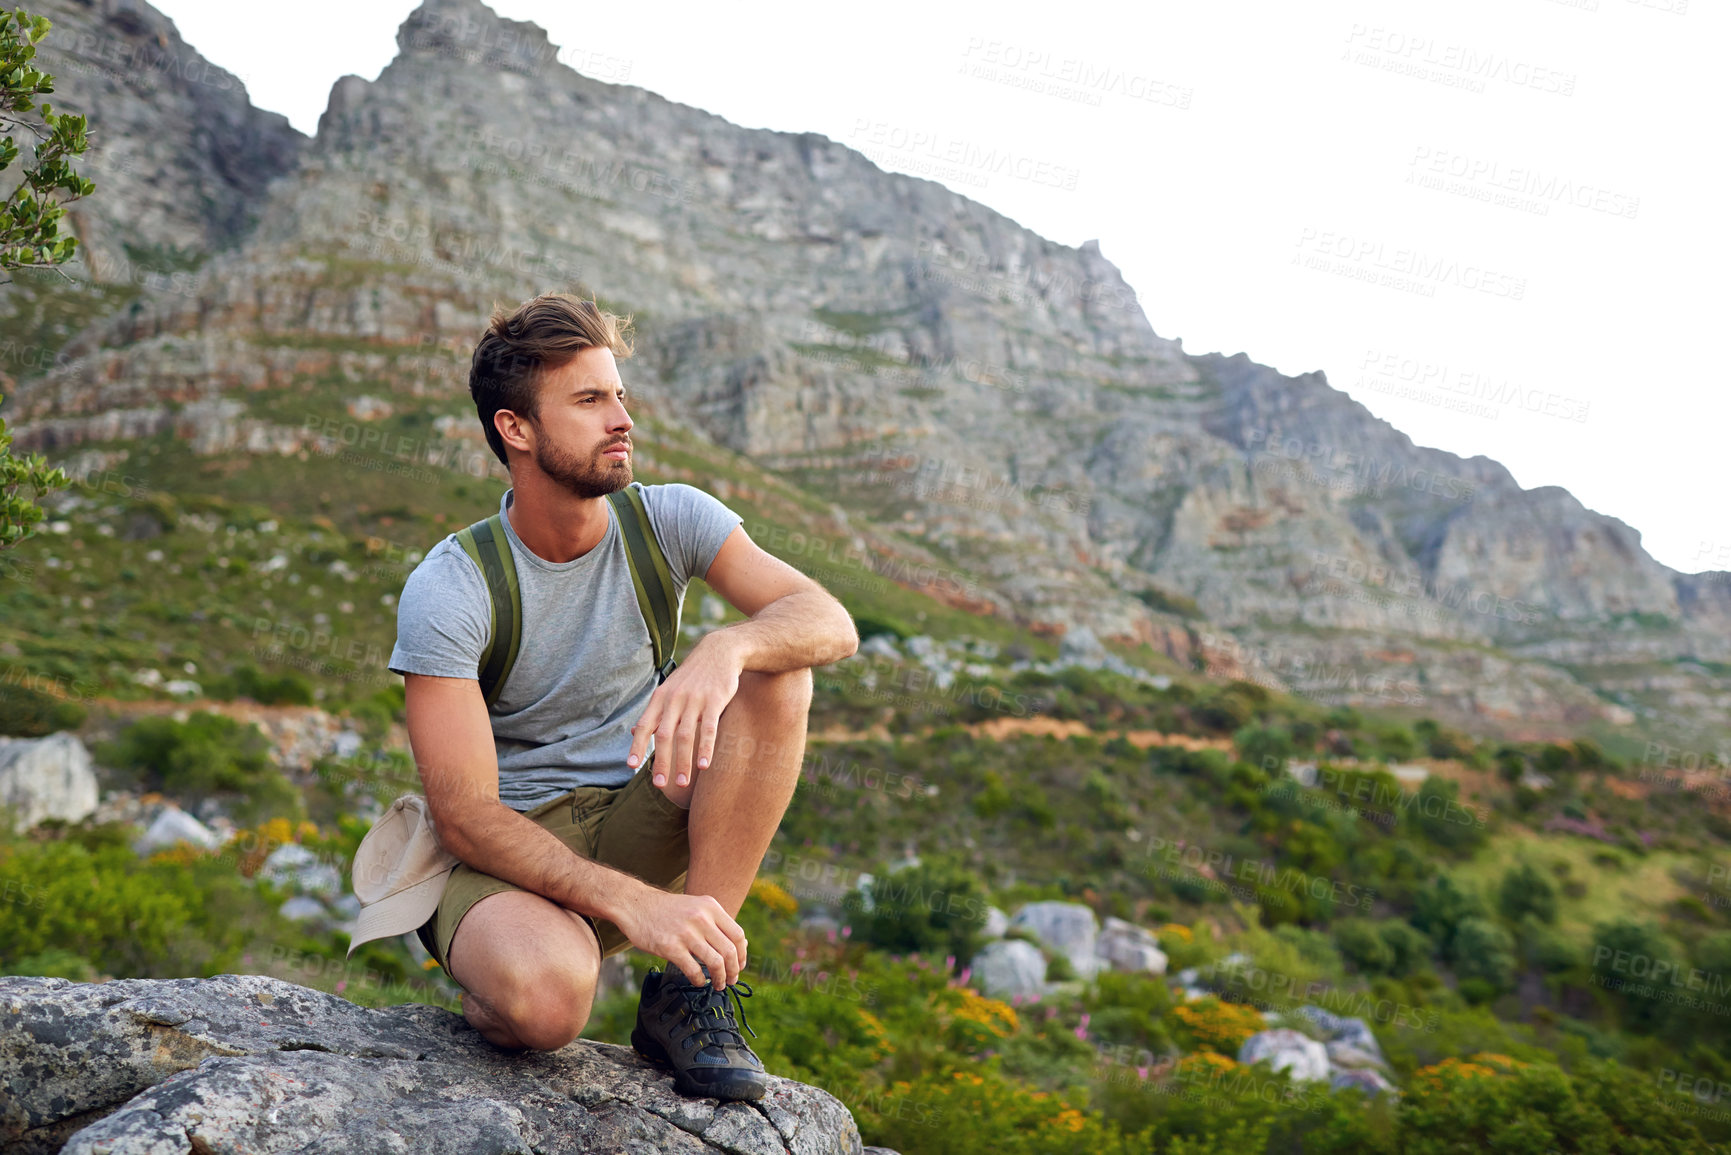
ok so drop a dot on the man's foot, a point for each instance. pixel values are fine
(692, 1030)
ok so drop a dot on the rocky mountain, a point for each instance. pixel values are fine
(250, 1063)
(920, 361)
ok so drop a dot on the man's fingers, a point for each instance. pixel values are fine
(687, 729)
(706, 737)
(666, 747)
(640, 735)
(736, 935)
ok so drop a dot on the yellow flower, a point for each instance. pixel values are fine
(773, 896)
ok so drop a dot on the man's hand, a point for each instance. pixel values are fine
(685, 929)
(685, 710)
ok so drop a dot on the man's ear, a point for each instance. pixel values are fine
(513, 430)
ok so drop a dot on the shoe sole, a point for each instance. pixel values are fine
(747, 1085)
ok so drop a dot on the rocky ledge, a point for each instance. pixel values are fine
(246, 1063)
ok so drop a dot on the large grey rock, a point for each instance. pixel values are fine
(47, 777)
(1288, 1050)
(1128, 947)
(245, 1063)
(1338, 1030)
(173, 825)
(293, 865)
(1069, 928)
(1367, 1079)
(1008, 968)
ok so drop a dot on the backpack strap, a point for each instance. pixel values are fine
(485, 542)
(650, 576)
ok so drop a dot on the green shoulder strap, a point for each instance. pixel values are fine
(485, 542)
(651, 578)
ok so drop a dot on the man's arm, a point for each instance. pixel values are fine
(794, 623)
(453, 746)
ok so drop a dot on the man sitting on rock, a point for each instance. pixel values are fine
(590, 807)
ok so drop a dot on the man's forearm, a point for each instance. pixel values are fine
(500, 841)
(804, 629)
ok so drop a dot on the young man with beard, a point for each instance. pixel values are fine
(590, 808)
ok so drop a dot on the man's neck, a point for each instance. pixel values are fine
(555, 524)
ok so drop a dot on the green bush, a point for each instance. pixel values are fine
(930, 908)
(29, 713)
(206, 755)
(1525, 891)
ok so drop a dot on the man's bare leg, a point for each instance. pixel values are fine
(737, 802)
(528, 968)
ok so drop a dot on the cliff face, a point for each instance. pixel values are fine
(904, 352)
(249, 1063)
(178, 151)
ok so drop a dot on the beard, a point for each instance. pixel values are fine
(594, 476)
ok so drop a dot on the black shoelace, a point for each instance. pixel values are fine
(705, 1001)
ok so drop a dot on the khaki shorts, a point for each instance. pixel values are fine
(635, 828)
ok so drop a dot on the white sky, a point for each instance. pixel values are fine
(1210, 144)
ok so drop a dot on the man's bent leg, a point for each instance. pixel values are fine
(737, 802)
(528, 968)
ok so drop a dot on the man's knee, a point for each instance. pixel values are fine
(546, 1006)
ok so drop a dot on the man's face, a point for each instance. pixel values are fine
(582, 432)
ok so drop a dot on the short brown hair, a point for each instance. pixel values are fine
(544, 332)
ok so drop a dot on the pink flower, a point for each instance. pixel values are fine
(846, 930)
(342, 985)
(1141, 1072)
(966, 973)
(796, 967)
(949, 962)
(832, 934)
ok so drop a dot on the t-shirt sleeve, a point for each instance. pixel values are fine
(691, 526)
(443, 617)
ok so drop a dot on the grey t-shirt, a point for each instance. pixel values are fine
(584, 669)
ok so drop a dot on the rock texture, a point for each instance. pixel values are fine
(891, 346)
(49, 777)
(247, 1063)
(179, 155)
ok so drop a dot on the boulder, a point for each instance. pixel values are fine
(1338, 1029)
(1010, 967)
(1287, 1050)
(1069, 928)
(1368, 1080)
(173, 825)
(1128, 947)
(1345, 1055)
(48, 777)
(293, 865)
(251, 1063)
(997, 922)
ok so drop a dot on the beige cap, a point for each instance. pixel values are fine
(399, 872)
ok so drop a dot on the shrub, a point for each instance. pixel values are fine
(932, 908)
(1525, 892)
(29, 713)
(208, 754)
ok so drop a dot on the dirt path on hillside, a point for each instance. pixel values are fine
(1003, 729)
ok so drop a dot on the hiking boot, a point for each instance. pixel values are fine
(692, 1030)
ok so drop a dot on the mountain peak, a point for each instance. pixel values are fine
(469, 32)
